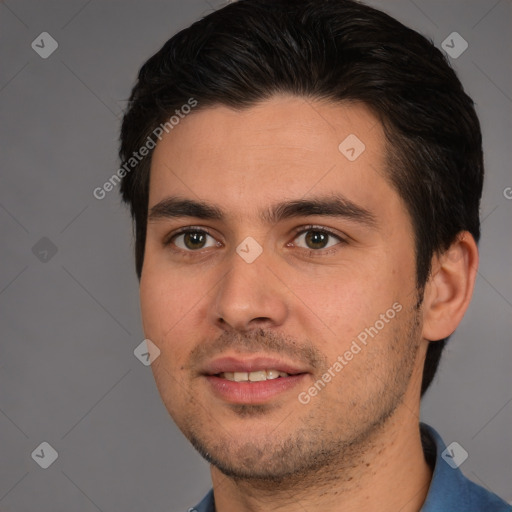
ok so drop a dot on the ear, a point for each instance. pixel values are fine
(449, 288)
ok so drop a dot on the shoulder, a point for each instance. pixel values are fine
(207, 504)
(449, 488)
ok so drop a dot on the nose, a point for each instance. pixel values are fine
(250, 296)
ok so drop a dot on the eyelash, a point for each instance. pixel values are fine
(168, 242)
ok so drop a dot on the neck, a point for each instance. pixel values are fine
(390, 474)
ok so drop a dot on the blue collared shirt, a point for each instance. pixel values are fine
(450, 490)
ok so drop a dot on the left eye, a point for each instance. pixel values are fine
(193, 240)
(317, 239)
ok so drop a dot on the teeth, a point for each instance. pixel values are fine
(257, 376)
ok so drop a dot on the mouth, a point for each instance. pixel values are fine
(254, 380)
(257, 376)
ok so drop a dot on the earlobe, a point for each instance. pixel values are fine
(449, 288)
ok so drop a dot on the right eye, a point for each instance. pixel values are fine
(192, 240)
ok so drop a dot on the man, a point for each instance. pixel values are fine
(305, 180)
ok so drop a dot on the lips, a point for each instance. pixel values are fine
(250, 365)
(251, 380)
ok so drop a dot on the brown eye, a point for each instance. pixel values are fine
(192, 240)
(316, 239)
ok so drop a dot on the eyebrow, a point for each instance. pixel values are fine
(325, 206)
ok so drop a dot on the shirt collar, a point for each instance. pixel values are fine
(449, 488)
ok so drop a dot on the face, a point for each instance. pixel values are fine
(279, 284)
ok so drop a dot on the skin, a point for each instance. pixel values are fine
(356, 444)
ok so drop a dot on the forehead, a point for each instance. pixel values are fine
(283, 148)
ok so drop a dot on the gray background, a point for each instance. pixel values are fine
(70, 320)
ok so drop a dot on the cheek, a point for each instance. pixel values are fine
(153, 304)
(165, 304)
(335, 305)
(345, 301)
